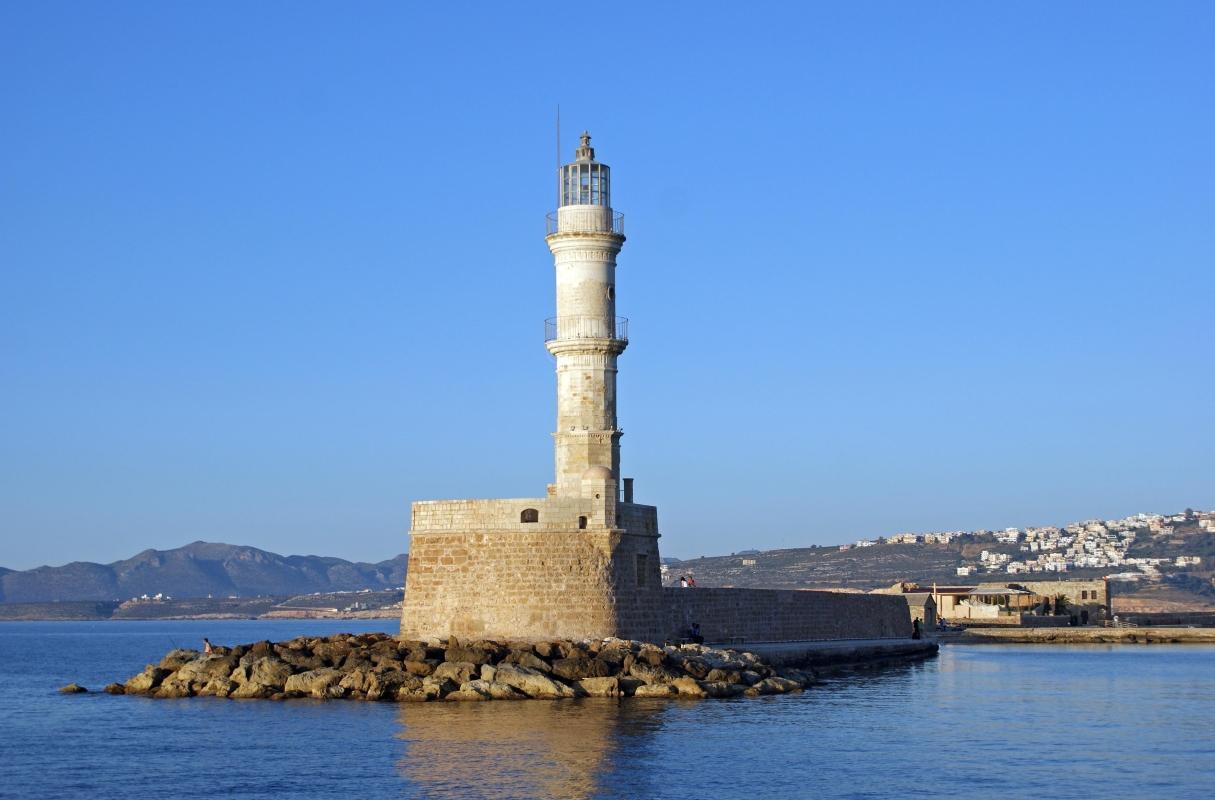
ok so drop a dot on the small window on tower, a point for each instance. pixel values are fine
(581, 523)
(529, 515)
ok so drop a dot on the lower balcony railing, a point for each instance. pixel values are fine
(579, 225)
(586, 328)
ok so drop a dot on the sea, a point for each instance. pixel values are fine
(979, 721)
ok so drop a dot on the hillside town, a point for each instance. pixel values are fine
(1090, 544)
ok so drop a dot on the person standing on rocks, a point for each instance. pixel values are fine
(207, 648)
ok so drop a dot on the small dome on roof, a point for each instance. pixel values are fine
(597, 474)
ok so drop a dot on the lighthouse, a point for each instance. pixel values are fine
(586, 337)
(581, 561)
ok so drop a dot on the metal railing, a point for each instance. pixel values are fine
(576, 327)
(551, 225)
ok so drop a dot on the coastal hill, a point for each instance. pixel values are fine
(1160, 565)
(199, 569)
(1169, 569)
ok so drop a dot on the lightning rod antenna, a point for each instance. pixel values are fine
(558, 156)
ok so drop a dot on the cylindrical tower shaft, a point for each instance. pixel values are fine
(586, 336)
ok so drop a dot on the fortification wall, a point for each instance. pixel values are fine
(476, 570)
(779, 615)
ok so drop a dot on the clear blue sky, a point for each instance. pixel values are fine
(271, 271)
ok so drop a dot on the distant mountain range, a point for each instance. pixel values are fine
(198, 570)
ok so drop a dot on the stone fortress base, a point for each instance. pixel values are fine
(542, 568)
(537, 568)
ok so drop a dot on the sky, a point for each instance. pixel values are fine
(269, 272)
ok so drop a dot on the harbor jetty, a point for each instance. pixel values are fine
(1144, 635)
(376, 666)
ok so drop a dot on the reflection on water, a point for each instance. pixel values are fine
(1006, 721)
(531, 748)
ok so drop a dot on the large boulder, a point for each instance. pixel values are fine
(73, 688)
(173, 687)
(531, 682)
(176, 658)
(217, 687)
(356, 681)
(643, 670)
(526, 658)
(629, 686)
(751, 677)
(772, 685)
(486, 690)
(301, 660)
(314, 682)
(387, 685)
(458, 672)
(576, 668)
(656, 690)
(257, 650)
(548, 649)
(719, 675)
(148, 680)
(688, 687)
(695, 667)
(722, 689)
(262, 678)
(422, 668)
(600, 687)
(332, 652)
(202, 670)
(472, 655)
(613, 655)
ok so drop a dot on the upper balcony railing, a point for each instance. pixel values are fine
(586, 328)
(551, 225)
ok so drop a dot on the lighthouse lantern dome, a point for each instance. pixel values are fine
(585, 181)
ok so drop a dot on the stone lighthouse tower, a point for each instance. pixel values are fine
(586, 336)
(582, 561)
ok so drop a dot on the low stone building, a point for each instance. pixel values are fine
(1012, 602)
(923, 609)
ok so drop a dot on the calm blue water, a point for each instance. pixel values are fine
(978, 722)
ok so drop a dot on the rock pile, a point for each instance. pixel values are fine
(375, 666)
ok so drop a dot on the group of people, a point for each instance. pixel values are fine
(686, 581)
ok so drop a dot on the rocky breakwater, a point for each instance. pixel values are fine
(379, 667)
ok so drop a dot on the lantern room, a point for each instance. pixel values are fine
(584, 181)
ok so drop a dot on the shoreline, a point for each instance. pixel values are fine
(1154, 635)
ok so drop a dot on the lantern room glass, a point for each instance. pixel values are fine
(586, 183)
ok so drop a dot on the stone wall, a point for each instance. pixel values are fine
(778, 615)
(476, 570)
(556, 513)
(1078, 593)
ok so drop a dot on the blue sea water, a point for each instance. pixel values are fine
(976, 722)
